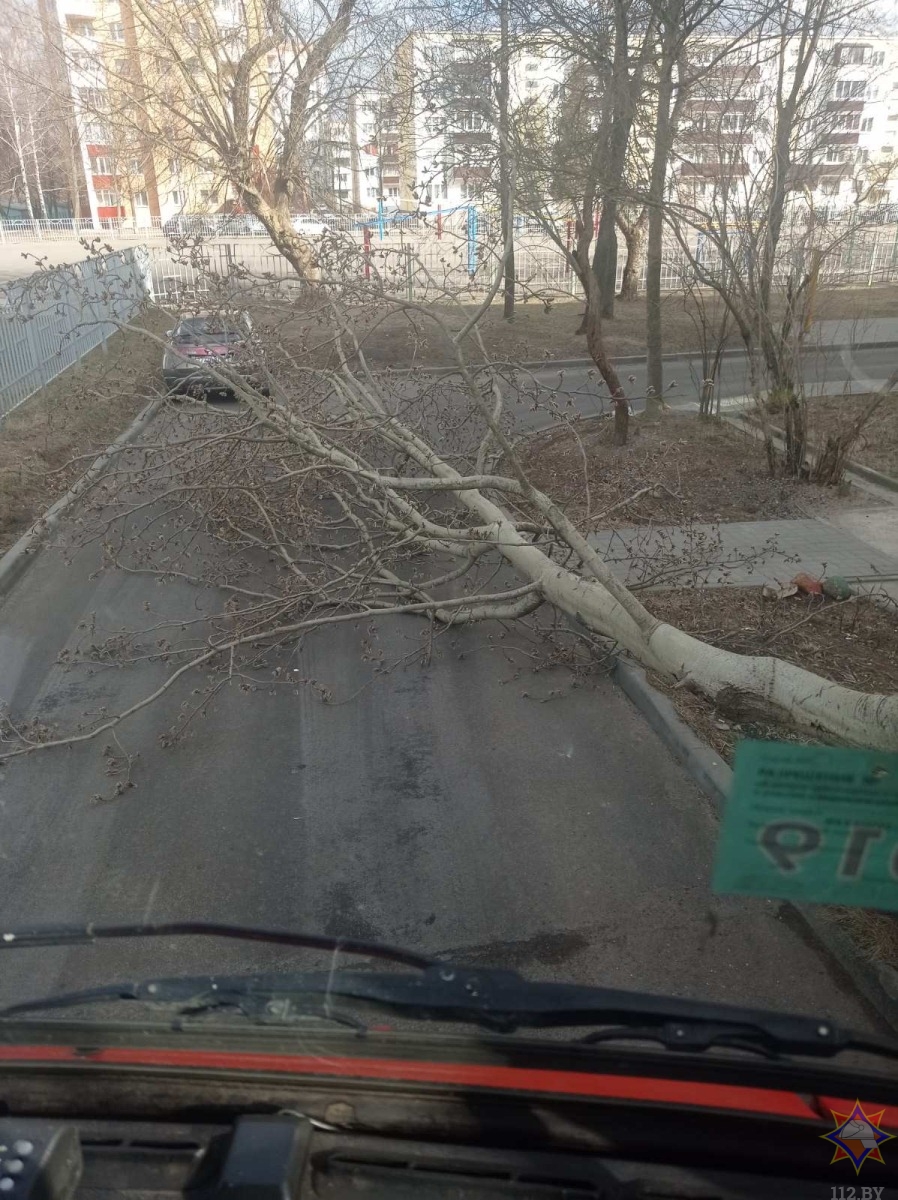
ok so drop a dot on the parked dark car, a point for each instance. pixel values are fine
(199, 344)
(190, 225)
(240, 225)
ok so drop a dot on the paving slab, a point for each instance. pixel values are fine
(741, 553)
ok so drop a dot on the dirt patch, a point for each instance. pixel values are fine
(50, 440)
(877, 446)
(678, 469)
(874, 933)
(853, 642)
(401, 339)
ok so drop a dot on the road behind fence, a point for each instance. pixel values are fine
(51, 319)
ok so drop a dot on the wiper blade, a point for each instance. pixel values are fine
(499, 1000)
(74, 935)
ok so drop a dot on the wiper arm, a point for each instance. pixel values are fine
(502, 1001)
(74, 935)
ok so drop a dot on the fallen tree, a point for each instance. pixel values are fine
(345, 493)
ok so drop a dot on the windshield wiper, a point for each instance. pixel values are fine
(79, 935)
(499, 1000)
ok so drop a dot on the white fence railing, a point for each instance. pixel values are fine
(51, 319)
(420, 265)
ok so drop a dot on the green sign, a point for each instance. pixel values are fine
(811, 823)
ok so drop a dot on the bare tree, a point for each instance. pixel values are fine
(751, 154)
(32, 127)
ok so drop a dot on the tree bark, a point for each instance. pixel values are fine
(654, 338)
(634, 238)
(604, 262)
(506, 183)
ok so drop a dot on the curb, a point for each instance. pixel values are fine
(17, 558)
(876, 982)
(623, 360)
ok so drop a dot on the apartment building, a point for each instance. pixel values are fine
(847, 152)
(446, 86)
(134, 113)
(843, 149)
(352, 155)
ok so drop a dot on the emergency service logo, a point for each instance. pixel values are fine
(857, 1136)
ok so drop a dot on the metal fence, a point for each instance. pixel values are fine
(51, 319)
(212, 225)
(418, 262)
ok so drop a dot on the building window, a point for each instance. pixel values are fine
(836, 154)
(106, 198)
(177, 196)
(95, 98)
(532, 85)
(531, 66)
(192, 30)
(730, 122)
(392, 192)
(116, 31)
(372, 193)
(829, 187)
(101, 165)
(80, 27)
(847, 122)
(140, 199)
(95, 133)
(470, 122)
(866, 124)
(134, 166)
(174, 166)
(850, 89)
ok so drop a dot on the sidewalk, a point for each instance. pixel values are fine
(745, 553)
(862, 330)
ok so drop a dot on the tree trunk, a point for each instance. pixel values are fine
(634, 238)
(654, 339)
(604, 262)
(39, 188)
(595, 343)
(506, 182)
(20, 160)
(795, 425)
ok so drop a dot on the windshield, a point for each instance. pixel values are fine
(198, 329)
(551, 487)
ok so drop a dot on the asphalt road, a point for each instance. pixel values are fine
(463, 808)
(825, 368)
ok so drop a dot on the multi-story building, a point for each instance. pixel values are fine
(353, 156)
(847, 152)
(843, 146)
(135, 112)
(447, 91)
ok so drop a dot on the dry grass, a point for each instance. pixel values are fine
(877, 446)
(398, 339)
(874, 933)
(48, 441)
(853, 643)
(699, 470)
